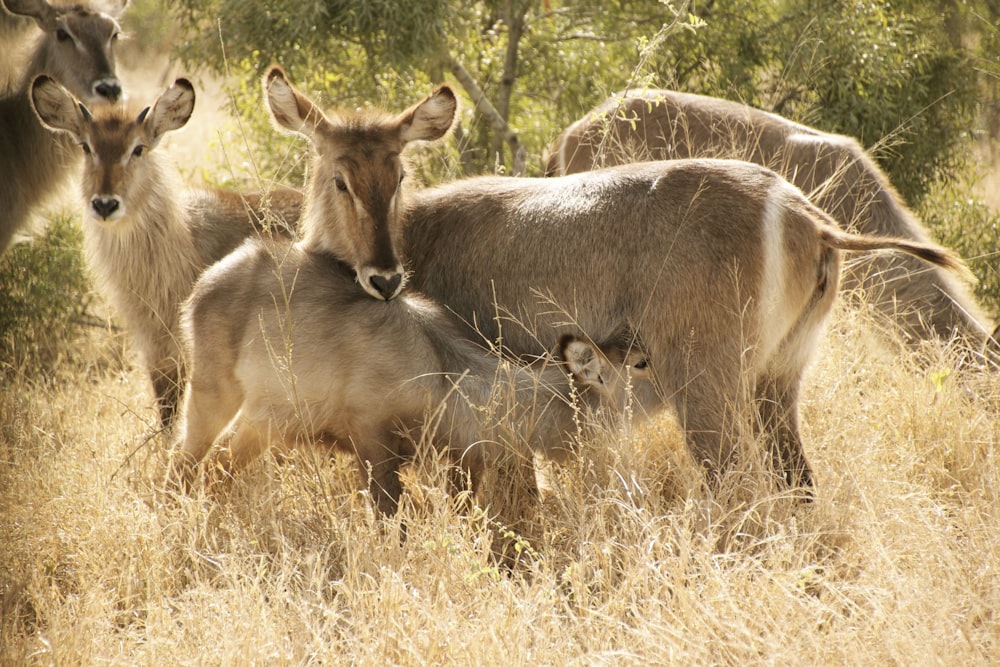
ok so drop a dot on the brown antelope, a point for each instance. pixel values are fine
(724, 270)
(354, 195)
(833, 170)
(76, 47)
(146, 238)
(284, 345)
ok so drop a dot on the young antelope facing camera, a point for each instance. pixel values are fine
(147, 238)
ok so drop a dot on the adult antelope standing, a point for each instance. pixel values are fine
(724, 270)
(146, 237)
(833, 170)
(76, 47)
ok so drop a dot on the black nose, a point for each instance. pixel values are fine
(386, 287)
(110, 89)
(104, 206)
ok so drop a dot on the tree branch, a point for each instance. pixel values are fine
(490, 113)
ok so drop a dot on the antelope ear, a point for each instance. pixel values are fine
(56, 108)
(429, 119)
(45, 15)
(290, 109)
(171, 111)
(584, 361)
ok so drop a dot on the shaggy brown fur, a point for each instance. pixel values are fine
(146, 237)
(282, 341)
(723, 270)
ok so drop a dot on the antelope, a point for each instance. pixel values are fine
(146, 238)
(354, 196)
(925, 303)
(724, 271)
(76, 47)
(286, 349)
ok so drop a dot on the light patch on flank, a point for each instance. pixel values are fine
(774, 314)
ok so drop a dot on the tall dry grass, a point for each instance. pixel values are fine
(896, 562)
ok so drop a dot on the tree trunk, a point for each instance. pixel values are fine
(485, 107)
(513, 16)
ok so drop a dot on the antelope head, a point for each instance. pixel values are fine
(114, 141)
(354, 207)
(610, 371)
(78, 47)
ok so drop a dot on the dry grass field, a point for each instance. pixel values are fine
(630, 561)
(896, 562)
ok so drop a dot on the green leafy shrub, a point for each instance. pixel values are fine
(44, 295)
(966, 224)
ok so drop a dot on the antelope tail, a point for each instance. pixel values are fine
(928, 252)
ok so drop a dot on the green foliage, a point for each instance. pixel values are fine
(965, 224)
(145, 31)
(276, 157)
(340, 30)
(357, 53)
(891, 77)
(44, 294)
(888, 75)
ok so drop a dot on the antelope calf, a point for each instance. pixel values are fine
(146, 238)
(76, 47)
(725, 272)
(833, 170)
(283, 345)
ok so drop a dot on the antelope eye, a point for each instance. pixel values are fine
(138, 150)
(86, 148)
(402, 175)
(641, 365)
(62, 35)
(341, 183)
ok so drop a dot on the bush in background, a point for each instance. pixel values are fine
(962, 222)
(44, 297)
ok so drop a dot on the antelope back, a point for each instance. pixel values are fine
(353, 203)
(833, 170)
(119, 172)
(77, 48)
(661, 125)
